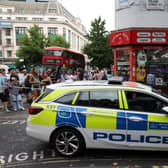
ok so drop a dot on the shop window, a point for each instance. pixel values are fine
(151, 66)
(123, 63)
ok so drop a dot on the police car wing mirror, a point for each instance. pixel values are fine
(165, 109)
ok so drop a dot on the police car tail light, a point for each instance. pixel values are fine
(35, 110)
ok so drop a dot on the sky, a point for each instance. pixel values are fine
(88, 10)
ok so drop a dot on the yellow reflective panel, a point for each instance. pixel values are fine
(75, 98)
(101, 118)
(120, 100)
(47, 117)
(124, 100)
(158, 123)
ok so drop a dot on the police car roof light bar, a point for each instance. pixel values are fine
(116, 80)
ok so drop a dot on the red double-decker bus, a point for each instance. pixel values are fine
(58, 58)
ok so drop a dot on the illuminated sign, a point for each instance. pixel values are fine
(143, 34)
(159, 34)
(158, 40)
(143, 40)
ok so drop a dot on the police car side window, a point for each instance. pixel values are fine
(83, 99)
(104, 98)
(66, 99)
(138, 101)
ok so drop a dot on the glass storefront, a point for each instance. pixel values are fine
(146, 64)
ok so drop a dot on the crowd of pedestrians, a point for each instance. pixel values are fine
(15, 84)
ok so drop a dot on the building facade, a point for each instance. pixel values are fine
(140, 41)
(52, 18)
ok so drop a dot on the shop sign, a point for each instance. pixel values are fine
(155, 4)
(158, 40)
(120, 38)
(143, 34)
(159, 34)
(143, 40)
(6, 24)
(158, 81)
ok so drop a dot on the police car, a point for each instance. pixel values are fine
(100, 114)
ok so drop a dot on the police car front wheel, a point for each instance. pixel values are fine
(68, 142)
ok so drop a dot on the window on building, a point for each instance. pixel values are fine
(1, 10)
(69, 36)
(9, 10)
(0, 37)
(52, 11)
(20, 30)
(8, 41)
(21, 18)
(37, 11)
(18, 41)
(0, 53)
(9, 53)
(8, 18)
(8, 32)
(1, 18)
(52, 19)
(20, 11)
(64, 33)
(41, 30)
(52, 30)
(37, 19)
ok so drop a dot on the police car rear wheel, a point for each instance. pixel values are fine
(68, 142)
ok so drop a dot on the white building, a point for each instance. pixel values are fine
(52, 18)
(141, 13)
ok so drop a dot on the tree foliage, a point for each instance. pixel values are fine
(98, 48)
(32, 46)
(58, 41)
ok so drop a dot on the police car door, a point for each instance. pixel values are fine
(147, 124)
(105, 123)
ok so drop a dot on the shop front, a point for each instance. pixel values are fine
(141, 55)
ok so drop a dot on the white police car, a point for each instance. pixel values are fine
(100, 114)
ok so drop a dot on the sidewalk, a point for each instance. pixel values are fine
(15, 114)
